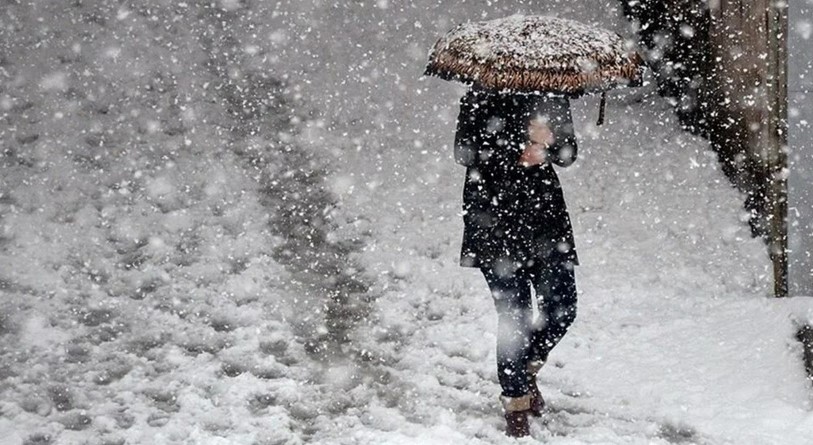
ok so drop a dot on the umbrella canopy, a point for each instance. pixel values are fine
(535, 54)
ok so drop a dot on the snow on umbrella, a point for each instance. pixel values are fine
(535, 54)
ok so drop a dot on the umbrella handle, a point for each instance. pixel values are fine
(601, 106)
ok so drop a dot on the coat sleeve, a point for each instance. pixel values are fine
(556, 111)
(466, 144)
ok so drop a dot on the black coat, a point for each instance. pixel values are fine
(514, 216)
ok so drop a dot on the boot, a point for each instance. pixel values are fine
(516, 415)
(537, 402)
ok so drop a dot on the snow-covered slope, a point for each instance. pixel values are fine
(149, 295)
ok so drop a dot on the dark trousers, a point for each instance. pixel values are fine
(519, 339)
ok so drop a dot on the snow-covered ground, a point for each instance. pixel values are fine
(151, 294)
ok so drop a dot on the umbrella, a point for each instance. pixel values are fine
(536, 54)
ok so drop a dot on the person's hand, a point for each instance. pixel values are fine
(541, 137)
(539, 132)
(534, 154)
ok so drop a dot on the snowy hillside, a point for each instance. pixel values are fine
(239, 223)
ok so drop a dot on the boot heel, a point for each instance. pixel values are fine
(537, 402)
(517, 410)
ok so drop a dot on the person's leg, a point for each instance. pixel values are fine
(512, 299)
(555, 285)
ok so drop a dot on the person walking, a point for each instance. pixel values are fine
(517, 230)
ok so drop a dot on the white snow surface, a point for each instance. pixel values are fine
(142, 301)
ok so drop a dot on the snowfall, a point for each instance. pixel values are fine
(239, 222)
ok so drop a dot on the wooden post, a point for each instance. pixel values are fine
(776, 17)
(749, 87)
